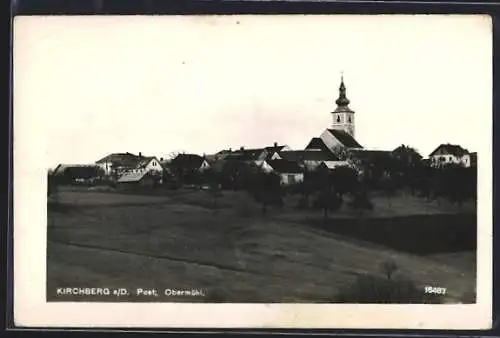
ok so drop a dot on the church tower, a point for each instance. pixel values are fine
(343, 116)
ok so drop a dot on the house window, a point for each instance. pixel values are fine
(291, 179)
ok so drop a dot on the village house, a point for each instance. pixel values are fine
(189, 163)
(311, 159)
(118, 164)
(256, 156)
(451, 154)
(290, 172)
(77, 173)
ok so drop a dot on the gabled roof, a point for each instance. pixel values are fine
(450, 149)
(120, 159)
(132, 177)
(345, 138)
(144, 161)
(285, 167)
(317, 143)
(308, 155)
(187, 161)
(127, 160)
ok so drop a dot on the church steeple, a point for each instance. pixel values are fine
(343, 116)
(342, 101)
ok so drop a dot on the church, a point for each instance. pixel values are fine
(341, 134)
(340, 138)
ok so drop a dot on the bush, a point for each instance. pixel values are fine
(361, 202)
(303, 203)
(376, 290)
(380, 290)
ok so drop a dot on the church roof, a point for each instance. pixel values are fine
(345, 138)
(317, 143)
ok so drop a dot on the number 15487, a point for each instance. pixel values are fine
(435, 290)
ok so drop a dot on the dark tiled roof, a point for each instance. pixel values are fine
(120, 159)
(187, 161)
(77, 170)
(451, 149)
(317, 143)
(371, 155)
(285, 167)
(253, 154)
(346, 139)
(274, 149)
(246, 155)
(308, 155)
(127, 160)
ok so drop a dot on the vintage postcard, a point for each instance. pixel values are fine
(253, 171)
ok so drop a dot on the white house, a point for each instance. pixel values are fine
(450, 154)
(121, 163)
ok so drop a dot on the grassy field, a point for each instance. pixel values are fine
(232, 252)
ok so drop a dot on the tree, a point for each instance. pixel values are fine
(213, 179)
(267, 189)
(407, 163)
(361, 202)
(389, 187)
(406, 157)
(344, 180)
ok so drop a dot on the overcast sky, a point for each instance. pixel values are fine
(97, 85)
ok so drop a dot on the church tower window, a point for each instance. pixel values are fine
(338, 118)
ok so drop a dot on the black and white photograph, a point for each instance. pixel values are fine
(248, 159)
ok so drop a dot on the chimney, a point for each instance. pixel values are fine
(140, 154)
(275, 144)
(161, 159)
(242, 148)
(230, 150)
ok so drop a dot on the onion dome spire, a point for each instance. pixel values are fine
(342, 101)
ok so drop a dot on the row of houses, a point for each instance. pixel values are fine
(289, 164)
(335, 146)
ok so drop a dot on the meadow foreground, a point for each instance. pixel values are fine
(234, 253)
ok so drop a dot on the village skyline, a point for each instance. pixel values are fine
(103, 85)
